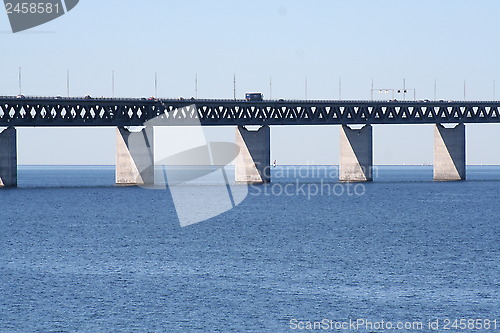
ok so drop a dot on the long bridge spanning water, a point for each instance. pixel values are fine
(356, 153)
(135, 112)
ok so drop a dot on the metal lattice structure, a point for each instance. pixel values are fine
(135, 112)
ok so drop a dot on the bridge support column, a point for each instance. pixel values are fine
(253, 161)
(8, 158)
(356, 154)
(134, 156)
(449, 152)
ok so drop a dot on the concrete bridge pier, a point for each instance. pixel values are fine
(356, 154)
(134, 156)
(8, 157)
(254, 160)
(449, 152)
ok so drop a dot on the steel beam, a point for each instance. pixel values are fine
(136, 112)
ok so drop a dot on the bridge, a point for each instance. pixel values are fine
(252, 164)
(135, 112)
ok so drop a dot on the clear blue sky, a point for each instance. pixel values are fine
(386, 41)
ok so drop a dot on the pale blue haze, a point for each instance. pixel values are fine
(356, 40)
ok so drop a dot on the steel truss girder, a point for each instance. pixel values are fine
(20, 112)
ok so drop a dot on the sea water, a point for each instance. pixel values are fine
(78, 254)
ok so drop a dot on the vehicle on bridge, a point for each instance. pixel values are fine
(254, 96)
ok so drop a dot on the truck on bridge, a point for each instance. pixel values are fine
(254, 97)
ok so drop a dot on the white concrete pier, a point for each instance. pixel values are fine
(253, 161)
(8, 157)
(134, 156)
(449, 152)
(356, 154)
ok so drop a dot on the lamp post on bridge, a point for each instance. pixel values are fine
(20, 81)
(156, 84)
(67, 82)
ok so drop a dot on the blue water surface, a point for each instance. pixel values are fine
(78, 254)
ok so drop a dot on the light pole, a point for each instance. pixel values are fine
(270, 87)
(20, 81)
(234, 86)
(305, 88)
(340, 88)
(371, 91)
(156, 84)
(404, 89)
(435, 94)
(67, 81)
(196, 85)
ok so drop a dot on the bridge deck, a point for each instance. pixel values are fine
(31, 111)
